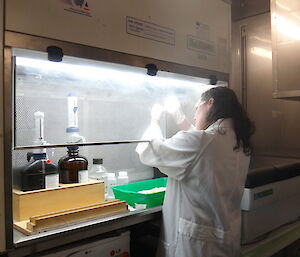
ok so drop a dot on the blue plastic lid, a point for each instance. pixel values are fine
(72, 129)
(39, 156)
(73, 147)
(72, 94)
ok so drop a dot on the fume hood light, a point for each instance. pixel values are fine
(55, 54)
(151, 69)
(85, 72)
(213, 80)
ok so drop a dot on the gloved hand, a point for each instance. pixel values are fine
(173, 106)
(156, 112)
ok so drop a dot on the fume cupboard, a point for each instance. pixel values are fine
(107, 49)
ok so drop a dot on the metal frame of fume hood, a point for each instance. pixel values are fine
(30, 42)
(8, 125)
(13, 39)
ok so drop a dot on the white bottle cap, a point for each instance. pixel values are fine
(111, 175)
(122, 173)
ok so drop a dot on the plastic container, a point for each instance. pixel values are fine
(129, 192)
(111, 182)
(70, 164)
(122, 178)
(39, 173)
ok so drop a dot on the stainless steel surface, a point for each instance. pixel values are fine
(80, 144)
(242, 9)
(269, 161)
(259, 78)
(274, 242)
(244, 65)
(40, 44)
(285, 36)
(26, 245)
(293, 95)
(277, 125)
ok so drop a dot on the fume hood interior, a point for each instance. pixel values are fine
(103, 104)
(113, 104)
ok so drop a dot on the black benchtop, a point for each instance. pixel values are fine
(272, 173)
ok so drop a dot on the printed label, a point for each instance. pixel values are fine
(263, 194)
(51, 181)
(150, 31)
(83, 176)
(199, 45)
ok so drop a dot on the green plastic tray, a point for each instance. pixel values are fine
(129, 192)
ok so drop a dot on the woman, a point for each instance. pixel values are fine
(206, 168)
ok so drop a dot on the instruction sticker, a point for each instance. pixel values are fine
(196, 44)
(150, 31)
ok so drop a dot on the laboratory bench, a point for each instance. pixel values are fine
(144, 226)
(29, 245)
(138, 222)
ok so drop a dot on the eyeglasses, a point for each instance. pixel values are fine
(199, 103)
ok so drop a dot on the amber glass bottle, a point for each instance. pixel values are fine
(70, 164)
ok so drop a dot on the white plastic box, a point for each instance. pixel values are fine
(117, 246)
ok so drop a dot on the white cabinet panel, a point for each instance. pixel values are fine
(194, 33)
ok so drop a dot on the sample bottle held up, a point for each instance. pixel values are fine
(70, 164)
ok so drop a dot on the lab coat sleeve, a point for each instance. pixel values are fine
(153, 131)
(174, 156)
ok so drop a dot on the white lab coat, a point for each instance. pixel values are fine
(201, 210)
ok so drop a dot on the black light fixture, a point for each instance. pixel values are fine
(151, 69)
(55, 54)
(213, 79)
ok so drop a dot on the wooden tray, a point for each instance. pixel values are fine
(67, 217)
(67, 196)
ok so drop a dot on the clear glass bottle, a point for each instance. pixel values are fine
(70, 164)
(99, 172)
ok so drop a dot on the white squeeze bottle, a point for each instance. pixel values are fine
(111, 181)
(122, 178)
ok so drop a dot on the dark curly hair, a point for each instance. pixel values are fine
(226, 105)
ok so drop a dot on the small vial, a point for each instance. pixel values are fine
(111, 181)
(122, 178)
